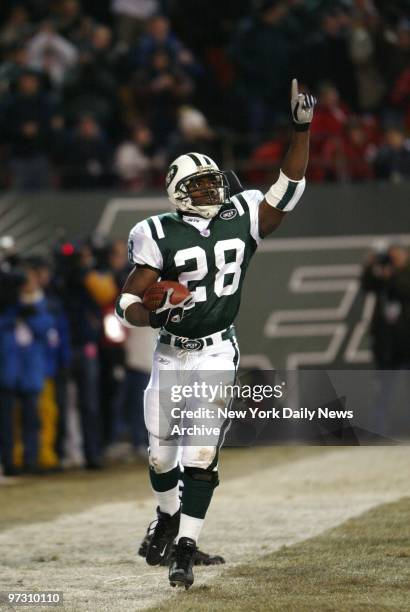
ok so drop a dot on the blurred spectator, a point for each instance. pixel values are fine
(326, 56)
(101, 43)
(400, 97)
(91, 87)
(53, 398)
(28, 128)
(131, 17)
(112, 349)
(261, 52)
(15, 62)
(392, 161)
(214, 27)
(387, 275)
(365, 12)
(349, 157)
(85, 291)
(24, 325)
(57, 150)
(263, 160)
(328, 125)
(159, 37)
(17, 27)
(194, 134)
(87, 163)
(72, 23)
(395, 49)
(370, 84)
(51, 53)
(160, 88)
(110, 59)
(133, 158)
(330, 115)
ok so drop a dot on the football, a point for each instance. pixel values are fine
(154, 295)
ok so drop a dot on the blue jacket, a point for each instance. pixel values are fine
(23, 346)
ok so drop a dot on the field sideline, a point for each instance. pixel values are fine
(301, 529)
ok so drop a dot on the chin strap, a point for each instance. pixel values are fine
(199, 210)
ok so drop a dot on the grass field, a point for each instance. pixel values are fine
(362, 565)
(301, 529)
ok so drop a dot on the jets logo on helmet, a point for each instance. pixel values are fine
(171, 173)
(196, 185)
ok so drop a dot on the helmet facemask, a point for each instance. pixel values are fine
(210, 197)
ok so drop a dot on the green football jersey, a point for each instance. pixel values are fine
(209, 257)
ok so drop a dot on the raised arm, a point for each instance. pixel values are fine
(290, 184)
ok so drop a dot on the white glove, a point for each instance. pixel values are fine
(168, 312)
(302, 107)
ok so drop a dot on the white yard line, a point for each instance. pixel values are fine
(91, 555)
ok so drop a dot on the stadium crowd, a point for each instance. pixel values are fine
(102, 94)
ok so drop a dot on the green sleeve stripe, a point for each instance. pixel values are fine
(288, 195)
(243, 202)
(158, 226)
(153, 229)
(118, 309)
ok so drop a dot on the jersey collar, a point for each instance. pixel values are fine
(198, 223)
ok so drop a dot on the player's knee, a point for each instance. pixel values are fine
(202, 475)
(160, 465)
(199, 456)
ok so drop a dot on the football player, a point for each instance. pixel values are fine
(206, 245)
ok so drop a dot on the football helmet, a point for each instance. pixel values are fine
(183, 180)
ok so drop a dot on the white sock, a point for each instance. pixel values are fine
(190, 527)
(168, 501)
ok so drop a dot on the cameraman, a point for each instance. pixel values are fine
(387, 274)
(24, 326)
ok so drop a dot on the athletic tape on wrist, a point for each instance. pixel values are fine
(285, 193)
(125, 300)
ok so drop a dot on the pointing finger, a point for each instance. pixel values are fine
(295, 88)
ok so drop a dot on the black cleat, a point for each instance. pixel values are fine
(142, 550)
(162, 538)
(180, 571)
(201, 558)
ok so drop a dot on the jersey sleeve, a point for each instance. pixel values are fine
(249, 201)
(142, 248)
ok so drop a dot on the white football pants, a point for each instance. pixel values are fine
(172, 369)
